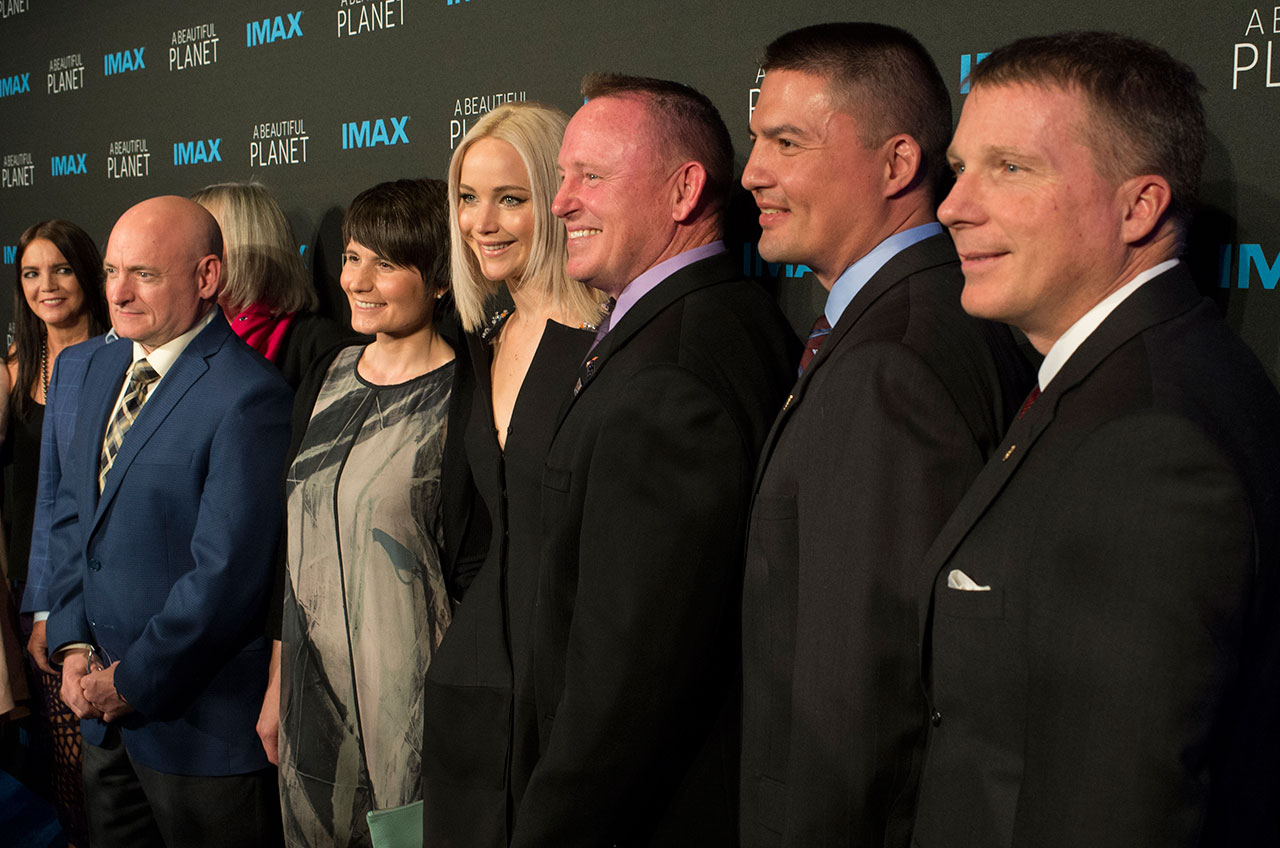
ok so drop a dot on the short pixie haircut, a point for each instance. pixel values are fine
(406, 222)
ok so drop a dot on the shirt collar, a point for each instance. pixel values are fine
(649, 280)
(848, 284)
(163, 357)
(1075, 335)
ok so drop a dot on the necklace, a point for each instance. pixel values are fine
(44, 370)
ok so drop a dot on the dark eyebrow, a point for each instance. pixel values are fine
(781, 129)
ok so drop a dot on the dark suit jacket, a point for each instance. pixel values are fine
(1118, 684)
(169, 570)
(883, 433)
(60, 405)
(644, 501)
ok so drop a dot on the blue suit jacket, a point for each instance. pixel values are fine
(170, 569)
(61, 402)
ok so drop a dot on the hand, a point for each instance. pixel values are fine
(269, 726)
(38, 647)
(269, 716)
(100, 690)
(75, 667)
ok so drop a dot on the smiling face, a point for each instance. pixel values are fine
(616, 196)
(49, 285)
(1037, 227)
(819, 189)
(386, 299)
(495, 212)
(159, 280)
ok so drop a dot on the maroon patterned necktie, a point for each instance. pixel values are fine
(818, 335)
(1031, 399)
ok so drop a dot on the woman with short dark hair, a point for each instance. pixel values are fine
(364, 598)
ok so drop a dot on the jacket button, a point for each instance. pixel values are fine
(94, 565)
(935, 718)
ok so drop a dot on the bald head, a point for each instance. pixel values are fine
(163, 265)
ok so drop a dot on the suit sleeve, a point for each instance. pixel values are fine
(217, 606)
(1138, 637)
(67, 620)
(36, 596)
(652, 641)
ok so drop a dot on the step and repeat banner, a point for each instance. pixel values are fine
(104, 104)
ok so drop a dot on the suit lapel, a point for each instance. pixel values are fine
(1159, 300)
(102, 382)
(703, 273)
(186, 370)
(921, 256)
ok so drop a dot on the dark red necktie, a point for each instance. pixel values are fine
(818, 335)
(1031, 399)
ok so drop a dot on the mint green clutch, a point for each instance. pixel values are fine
(398, 827)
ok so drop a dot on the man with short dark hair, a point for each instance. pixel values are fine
(901, 399)
(1101, 642)
(166, 519)
(644, 497)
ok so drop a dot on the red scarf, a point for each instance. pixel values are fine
(263, 330)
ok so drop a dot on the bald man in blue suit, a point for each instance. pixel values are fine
(168, 536)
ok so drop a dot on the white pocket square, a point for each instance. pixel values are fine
(957, 579)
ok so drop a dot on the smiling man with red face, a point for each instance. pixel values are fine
(644, 491)
(1100, 637)
(901, 398)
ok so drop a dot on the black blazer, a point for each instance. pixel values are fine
(1118, 683)
(644, 501)
(470, 746)
(881, 436)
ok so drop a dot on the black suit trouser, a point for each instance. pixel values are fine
(132, 806)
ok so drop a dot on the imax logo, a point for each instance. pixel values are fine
(72, 163)
(1248, 257)
(753, 265)
(968, 62)
(123, 62)
(10, 254)
(268, 30)
(369, 134)
(197, 152)
(16, 84)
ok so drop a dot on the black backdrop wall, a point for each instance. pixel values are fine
(104, 104)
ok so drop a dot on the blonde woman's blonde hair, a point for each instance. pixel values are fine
(262, 265)
(535, 131)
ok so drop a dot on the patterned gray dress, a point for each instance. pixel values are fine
(365, 603)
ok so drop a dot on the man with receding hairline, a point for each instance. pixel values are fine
(629, 734)
(1100, 641)
(166, 518)
(901, 399)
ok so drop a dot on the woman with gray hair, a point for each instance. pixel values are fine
(267, 296)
